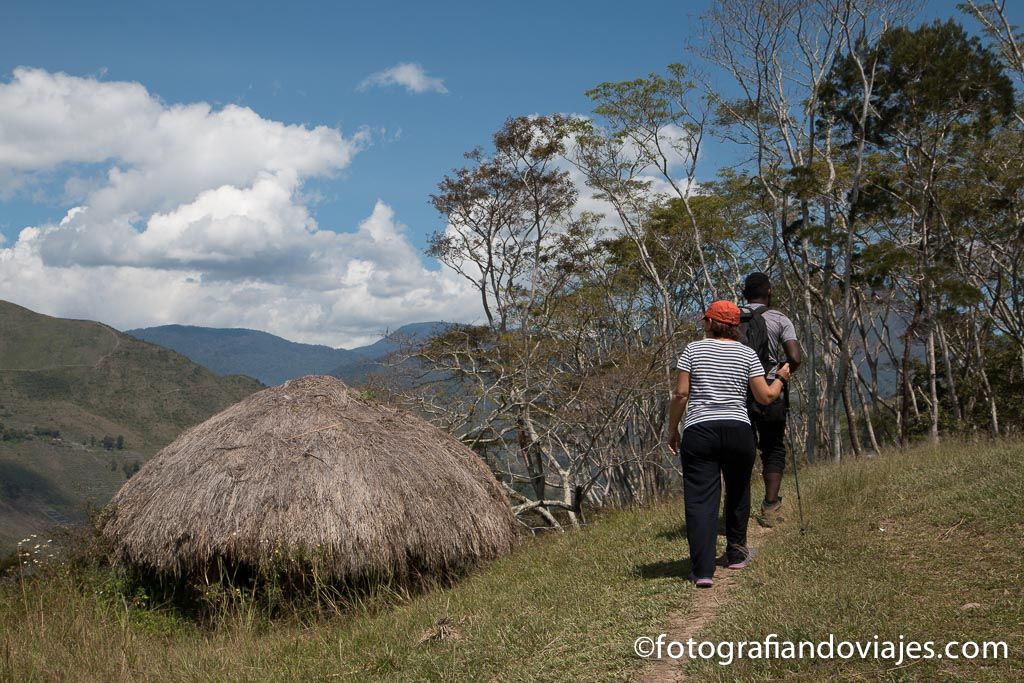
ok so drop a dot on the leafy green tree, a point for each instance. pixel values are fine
(935, 90)
(558, 391)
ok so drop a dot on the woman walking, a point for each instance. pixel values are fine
(718, 441)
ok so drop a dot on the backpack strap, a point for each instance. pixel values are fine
(748, 314)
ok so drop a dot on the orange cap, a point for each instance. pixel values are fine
(725, 312)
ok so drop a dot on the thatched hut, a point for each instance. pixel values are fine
(310, 472)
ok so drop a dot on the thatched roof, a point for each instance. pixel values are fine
(310, 471)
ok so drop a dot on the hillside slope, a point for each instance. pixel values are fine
(65, 386)
(923, 544)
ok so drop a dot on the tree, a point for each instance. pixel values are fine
(882, 189)
(500, 210)
(935, 90)
(779, 54)
(555, 391)
(641, 147)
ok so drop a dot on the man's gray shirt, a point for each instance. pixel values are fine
(780, 330)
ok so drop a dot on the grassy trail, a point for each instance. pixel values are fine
(923, 544)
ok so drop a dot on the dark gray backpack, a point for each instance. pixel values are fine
(754, 333)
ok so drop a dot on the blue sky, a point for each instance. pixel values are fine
(302, 63)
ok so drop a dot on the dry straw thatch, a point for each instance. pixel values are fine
(310, 472)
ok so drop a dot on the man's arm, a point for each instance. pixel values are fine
(787, 335)
(793, 353)
(765, 393)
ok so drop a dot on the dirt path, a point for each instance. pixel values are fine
(686, 624)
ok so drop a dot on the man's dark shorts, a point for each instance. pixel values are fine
(771, 442)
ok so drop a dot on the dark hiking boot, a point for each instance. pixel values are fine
(771, 514)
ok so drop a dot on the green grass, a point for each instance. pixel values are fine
(561, 603)
(897, 546)
(570, 606)
(43, 482)
(29, 341)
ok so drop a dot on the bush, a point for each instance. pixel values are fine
(14, 435)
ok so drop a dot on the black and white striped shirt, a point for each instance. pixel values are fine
(720, 371)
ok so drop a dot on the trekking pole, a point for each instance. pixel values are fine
(799, 501)
(796, 475)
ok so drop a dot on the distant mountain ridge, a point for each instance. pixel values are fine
(272, 359)
(232, 351)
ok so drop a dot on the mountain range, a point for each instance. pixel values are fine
(273, 360)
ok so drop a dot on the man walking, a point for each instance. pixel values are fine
(770, 422)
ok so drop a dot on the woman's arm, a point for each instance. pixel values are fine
(680, 395)
(765, 393)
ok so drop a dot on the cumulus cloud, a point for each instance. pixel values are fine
(352, 286)
(197, 216)
(409, 75)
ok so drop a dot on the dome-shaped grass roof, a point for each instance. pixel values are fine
(309, 471)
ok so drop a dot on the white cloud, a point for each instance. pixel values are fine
(342, 289)
(409, 75)
(197, 216)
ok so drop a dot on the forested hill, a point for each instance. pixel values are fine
(273, 360)
(81, 405)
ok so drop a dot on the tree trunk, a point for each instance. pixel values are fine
(933, 392)
(907, 391)
(950, 378)
(851, 419)
(868, 422)
(979, 359)
(811, 401)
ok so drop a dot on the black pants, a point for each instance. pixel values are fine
(713, 451)
(771, 441)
